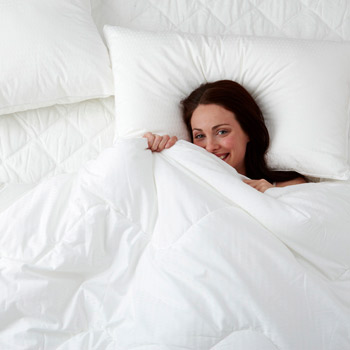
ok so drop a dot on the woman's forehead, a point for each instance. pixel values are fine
(211, 115)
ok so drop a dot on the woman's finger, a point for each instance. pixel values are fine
(156, 143)
(150, 139)
(163, 142)
(171, 142)
(260, 185)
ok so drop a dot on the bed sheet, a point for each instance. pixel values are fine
(38, 144)
(141, 250)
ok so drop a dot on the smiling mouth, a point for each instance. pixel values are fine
(222, 156)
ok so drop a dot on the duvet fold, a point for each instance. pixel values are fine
(172, 250)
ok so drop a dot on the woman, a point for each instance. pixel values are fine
(223, 118)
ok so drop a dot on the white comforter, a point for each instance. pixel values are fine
(173, 251)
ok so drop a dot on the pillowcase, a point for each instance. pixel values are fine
(302, 87)
(50, 52)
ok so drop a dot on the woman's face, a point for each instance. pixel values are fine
(217, 130)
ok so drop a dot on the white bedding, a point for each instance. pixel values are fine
(9, 193)
(174, 251)
(40, 143)
(34, 151)
(167, 251)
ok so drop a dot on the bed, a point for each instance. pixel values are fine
(106, 245)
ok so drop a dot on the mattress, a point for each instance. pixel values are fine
(40, 143)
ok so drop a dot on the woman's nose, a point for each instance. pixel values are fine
(211, 145)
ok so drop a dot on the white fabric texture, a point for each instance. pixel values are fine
(300, 19)
(173, 251)
(9, 193)
(89, 262)
(44, 142)
(302, 88)
(50, 52)
(30, 146)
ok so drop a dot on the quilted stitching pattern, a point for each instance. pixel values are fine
(308, 19)
(49, 141)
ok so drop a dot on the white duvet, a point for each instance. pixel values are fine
(172, 250)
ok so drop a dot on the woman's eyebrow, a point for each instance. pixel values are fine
(218, 126)
(213, 128)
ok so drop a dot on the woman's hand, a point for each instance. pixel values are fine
(260, 185)
(157, 143)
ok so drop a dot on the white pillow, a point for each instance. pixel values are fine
(302, 87)
(50, 52)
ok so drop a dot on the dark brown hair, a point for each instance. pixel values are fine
(236, 99)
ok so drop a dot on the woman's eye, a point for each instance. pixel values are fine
(222, 132)
(199, 136)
